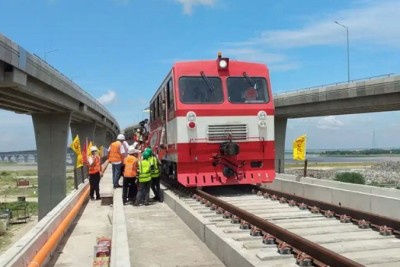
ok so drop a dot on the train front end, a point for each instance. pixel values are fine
(224, 124)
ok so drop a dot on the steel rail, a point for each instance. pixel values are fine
(314, 250)
(354, 214)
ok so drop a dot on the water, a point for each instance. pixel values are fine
(323, 158)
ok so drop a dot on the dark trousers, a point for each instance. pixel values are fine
(144, 192)
(129, 189)
(94, 181)
(155, 186)
(116, 171)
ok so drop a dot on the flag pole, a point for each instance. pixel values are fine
(305, 168)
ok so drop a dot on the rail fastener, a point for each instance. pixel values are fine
(344, 218)
(384, 230)
(303, 259)
(269, 239)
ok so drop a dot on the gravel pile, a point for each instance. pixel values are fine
(384, 173)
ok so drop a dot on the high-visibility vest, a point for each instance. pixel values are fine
(155, 170)
(95, 167)
(115, 152)
(145, 172)
(131, 165)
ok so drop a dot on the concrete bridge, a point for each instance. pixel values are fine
(28, 156)
(361, 96)
(28, 85)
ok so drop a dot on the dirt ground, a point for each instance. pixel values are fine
(15, 232)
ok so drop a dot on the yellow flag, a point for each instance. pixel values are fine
(79, 160)
(76, 146)
(101, 151)
(299, 148)
(88, 149)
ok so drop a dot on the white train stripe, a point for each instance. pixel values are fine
(179, 132)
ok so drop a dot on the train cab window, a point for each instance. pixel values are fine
(247, 90)
(152, 112)
(170, 95)
(200, 90)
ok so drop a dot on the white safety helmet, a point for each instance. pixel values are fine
(121, 137)
(93, 148)
(132, 150)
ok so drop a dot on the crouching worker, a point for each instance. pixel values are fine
(129, 189)
(144, 177)
(95, 173)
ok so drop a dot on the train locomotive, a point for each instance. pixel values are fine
(212, 123)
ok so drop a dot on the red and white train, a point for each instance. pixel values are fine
(212, 123)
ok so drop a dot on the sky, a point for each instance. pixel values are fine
(119, 51)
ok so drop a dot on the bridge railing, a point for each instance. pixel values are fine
(65, 79)
(337, 83)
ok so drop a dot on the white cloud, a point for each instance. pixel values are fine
(189, 4)
(375, 22)
(329, 122)
(277, 61)
(107, 98)
(371, 22)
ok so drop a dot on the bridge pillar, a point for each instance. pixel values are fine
(2, 157)
(26, 158)
(9, 158)
(51, 134)
(110, 138)
(100, 135)
(280, 136)
(84, 130)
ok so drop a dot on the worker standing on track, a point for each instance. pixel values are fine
(95, 173)
(155, 175)
(144, 177)
(129, 187)
(116, 153)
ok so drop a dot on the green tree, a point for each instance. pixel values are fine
(350, 177)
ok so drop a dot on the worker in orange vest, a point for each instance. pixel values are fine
(95, 173)
(116, 153)
(129, 187)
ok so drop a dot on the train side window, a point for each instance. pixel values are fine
(170, 95)
(152, 111)
(157, 114)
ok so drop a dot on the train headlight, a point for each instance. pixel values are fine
(191, 116)
(262, 118)
(262, 124)
(262, 115)
(222, 62)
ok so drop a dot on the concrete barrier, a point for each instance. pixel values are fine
(25, 249)
(381, 201)
(119, 243)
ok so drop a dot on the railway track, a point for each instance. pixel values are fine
(274, 230)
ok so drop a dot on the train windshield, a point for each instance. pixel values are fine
(247, 90)
(200, 90)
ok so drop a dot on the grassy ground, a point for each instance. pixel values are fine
(10, 191)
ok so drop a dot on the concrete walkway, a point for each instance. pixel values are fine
(157, 237)
(77, 247)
